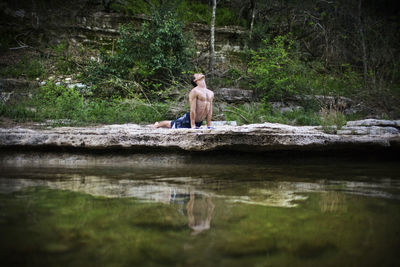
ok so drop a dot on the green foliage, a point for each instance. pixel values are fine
(134, 7)
(187, 11)
(152, 57)
(332, 120)
(29, 68)
(261, 31)
(259, 113)
(233, 77)
(65, 105)
(112, 77)
(159, 49)
(17, 111)
(342, 80)
(121, 111)
(57, 102)
(63, 62)
(245, 114)
(302, 117)
(190, 12)
(225, 16)
(277, 70)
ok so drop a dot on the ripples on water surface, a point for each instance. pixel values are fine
(179, 210)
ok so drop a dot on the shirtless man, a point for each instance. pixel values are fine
(200, 100)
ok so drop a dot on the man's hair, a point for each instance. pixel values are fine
(192, 80)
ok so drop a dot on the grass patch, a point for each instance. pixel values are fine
(332, 120)
(66, 106)
(259, 113)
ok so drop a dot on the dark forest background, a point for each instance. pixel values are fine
(117, 61)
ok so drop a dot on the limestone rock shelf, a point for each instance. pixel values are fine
(247, 138)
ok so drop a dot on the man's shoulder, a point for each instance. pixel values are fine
(198, 90)
(209, 92)
(193, 91)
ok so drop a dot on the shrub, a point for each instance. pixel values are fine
(63, 61)
(332, 120)
(159, 49)
(30, 68)
(58, 102)
(277, 71)
(335, 81)
(152, 57)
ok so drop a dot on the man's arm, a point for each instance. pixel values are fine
(192, 103)
(209, 114)
(210, 111)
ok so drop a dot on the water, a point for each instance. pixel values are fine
(210, 210)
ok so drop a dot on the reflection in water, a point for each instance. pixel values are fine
(199, 213)
(224, 213)
(266, 193)
(159, 177)
(333, 202)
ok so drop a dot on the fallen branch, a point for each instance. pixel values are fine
(19, 47)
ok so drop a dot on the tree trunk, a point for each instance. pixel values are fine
(363, 45)
(253, 15)
(212, 38)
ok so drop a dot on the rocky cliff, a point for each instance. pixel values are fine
(89, 22)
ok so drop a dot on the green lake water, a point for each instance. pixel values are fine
(180, 210)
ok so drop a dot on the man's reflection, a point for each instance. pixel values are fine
(333, 202)
(199, 213)
(199, 210)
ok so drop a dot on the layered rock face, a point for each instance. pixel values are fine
(234, 95)
(248, 138)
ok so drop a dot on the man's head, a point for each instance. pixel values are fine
(196, 77)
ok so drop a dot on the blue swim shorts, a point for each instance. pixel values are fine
(184, 122)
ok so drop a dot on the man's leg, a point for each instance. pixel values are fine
(162, 124)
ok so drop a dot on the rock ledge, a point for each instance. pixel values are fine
(248, 138)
